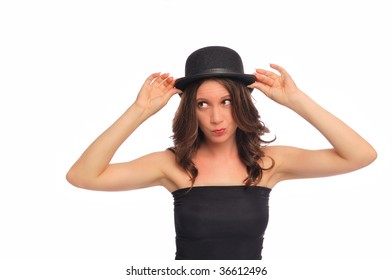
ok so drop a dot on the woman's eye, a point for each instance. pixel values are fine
(202, 104)
(227, 101)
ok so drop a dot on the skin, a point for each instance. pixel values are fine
(217, 159)
(219, 149)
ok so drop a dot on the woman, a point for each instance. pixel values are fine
(220, 171)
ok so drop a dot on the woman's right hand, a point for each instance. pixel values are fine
(155, 93)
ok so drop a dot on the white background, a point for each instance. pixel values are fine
(68, 69)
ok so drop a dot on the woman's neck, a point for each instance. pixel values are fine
(225, 150)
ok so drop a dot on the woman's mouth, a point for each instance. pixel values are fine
(219, 132)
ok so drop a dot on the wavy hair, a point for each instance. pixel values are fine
(187, 135)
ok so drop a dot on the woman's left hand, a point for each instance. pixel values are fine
(280, 88)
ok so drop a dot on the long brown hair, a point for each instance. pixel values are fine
(187, 136)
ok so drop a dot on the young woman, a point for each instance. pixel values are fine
(220, 170)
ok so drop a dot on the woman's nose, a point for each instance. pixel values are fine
(216, 115)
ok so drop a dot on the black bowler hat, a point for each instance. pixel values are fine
(214, 61)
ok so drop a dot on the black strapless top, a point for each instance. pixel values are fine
(220, 222)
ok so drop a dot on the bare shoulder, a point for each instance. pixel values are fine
(164, 160)
(278, 151)
(163, 156)
(274, 154)
(273, 163)
(283, 156)
(175, 176)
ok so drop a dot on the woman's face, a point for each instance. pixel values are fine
(214, 112)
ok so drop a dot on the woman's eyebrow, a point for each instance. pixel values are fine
(206, 99)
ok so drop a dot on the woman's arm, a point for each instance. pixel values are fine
(93, 169)
(350, 151)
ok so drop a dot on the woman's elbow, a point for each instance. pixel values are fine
(372, 155)
(80, 180)
(72, 178)
(368, 156)
(76, 180)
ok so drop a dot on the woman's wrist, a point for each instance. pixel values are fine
(138, 113)
(297, 101)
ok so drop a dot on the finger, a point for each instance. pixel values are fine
(285, 75)
(167, 83)
(260, 86)
(276, 67)
(265, 79)
(170, 93)
(267, 73)
(280, 69)
(151, 78)
(160, 79)
(174, 91)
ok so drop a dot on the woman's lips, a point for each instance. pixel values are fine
(219, 132)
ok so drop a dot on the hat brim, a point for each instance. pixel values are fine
(183, 83)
